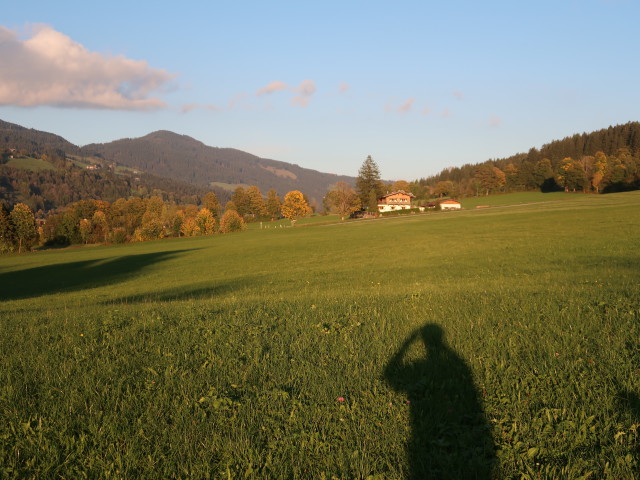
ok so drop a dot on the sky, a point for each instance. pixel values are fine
(418, 85)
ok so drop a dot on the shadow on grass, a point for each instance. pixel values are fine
(450, 434)
(76, 276)
(630, 401)
(183, 293)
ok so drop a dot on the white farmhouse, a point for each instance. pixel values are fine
(399, 200)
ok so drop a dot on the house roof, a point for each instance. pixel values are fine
(450, 202)
(401, 192)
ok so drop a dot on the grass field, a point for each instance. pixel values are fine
(490, 343)
(29, 163)
(519, 198)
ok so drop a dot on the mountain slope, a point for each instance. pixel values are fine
(30, 141)
(183, 158)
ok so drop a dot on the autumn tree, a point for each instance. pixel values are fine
(511, 174)
(188, 227)
(444, 188)
(174, 218)
(241, 200)
(24, 226)
(100, 226)
(6, 231)
(599, 171)
(343, 200)
(151, 225)
(205, 222)
(273, 204)
(295, 206)
(544, 176)
(256, 202)
(231, 221)
(490, 178)
(368, 184)
(210, 202)
(400, 185)
(134, 210)
(85, 227)
(572, 175)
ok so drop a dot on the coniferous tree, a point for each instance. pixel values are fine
(368, 184)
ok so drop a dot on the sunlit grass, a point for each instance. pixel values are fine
(225, 356)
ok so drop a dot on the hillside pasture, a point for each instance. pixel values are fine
(30, 163)
(491, 343)
(508, 199)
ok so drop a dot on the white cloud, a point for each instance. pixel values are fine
(458, 95)
(406, 106)
(272, 87)
(305, 90)
(49, 68)
(192, 106)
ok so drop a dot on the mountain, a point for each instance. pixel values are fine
(186, 159)
(33, 141)
(175, 166)
(45, 171)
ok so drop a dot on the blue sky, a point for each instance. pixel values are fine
(419, 86)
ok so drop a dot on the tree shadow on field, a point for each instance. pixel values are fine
(188, 292)
(75, 276)
(630, 401)
(451, 438)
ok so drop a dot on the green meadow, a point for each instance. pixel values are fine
(485, 343)
(29, 163)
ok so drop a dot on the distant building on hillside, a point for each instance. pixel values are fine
(450, 205)
(399, 200)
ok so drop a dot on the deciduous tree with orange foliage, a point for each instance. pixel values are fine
(295, 206)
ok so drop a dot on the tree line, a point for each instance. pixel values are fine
(599, 162)
(140, 219)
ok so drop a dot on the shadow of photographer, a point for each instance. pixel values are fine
(450, 434)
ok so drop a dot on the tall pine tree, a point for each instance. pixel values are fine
(368, 184)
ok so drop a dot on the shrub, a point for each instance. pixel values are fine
(406, 211)
(119, 235)
(231, 222)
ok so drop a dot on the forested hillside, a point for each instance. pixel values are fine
(183, 158)
(48, 189)
(607, 160)
(29, 141)
(162, 161)
(36, 169)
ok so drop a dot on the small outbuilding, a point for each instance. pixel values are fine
(450, 205)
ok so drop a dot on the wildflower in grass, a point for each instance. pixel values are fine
(340, 399)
